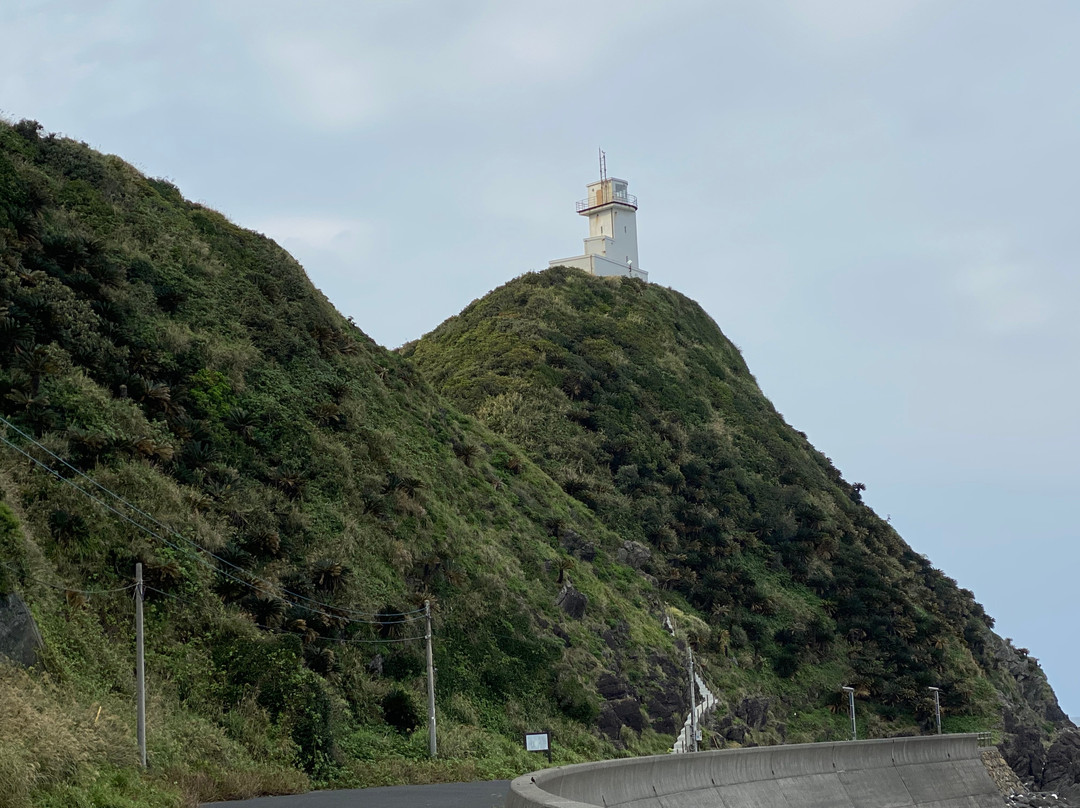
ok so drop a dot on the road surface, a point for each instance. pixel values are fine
(490, 794)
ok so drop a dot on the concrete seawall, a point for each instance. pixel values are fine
(937, 772)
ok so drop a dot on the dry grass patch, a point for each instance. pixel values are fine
(48, 740)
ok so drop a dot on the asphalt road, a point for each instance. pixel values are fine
(490, 794)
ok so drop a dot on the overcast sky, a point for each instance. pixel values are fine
(876, 201)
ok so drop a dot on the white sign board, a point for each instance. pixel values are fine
(537, 742)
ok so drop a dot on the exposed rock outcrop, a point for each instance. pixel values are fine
(659, 703)
(19, 637)
(1061, 771)
(1033, 721)
(576, 545)
(571, 601)
(738, 725)
(634, 554)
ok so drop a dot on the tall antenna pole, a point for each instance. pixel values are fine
(140, 668)
(432, 748)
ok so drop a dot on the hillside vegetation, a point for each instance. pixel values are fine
(630, 396)
(190, 367)
(558, 471)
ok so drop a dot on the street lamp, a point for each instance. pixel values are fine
(851, 709)
(937, 706)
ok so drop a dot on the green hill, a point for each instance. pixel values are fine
(630, 396)
(558, 470)
(190, 367)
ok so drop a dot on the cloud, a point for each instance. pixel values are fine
(997, 283)
(329, 243)
(339, 91)
(1005, 298)
(359, 65)
(59, 50)
(852, 20)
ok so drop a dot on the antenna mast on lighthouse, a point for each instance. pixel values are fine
(611, 246)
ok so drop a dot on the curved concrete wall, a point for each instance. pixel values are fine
(943, 771)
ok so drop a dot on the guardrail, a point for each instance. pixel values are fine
(622, 199)
(930, 771)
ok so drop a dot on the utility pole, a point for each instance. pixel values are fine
(693, 698)
(937, 706)
(851, 708)
(432, 747)
(140, 667)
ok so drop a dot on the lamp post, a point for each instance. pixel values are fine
(851, 709)
(937, 706)
(693, 698)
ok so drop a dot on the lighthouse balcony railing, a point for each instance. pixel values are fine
(606, 199)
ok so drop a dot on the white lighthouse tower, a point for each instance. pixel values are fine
(611, 246)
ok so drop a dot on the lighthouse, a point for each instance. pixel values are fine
(611, 246)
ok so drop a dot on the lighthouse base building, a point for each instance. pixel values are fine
(611, 246)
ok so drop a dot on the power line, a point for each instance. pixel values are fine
(278, 630)
(351, 640)
(118, 513)
(23, 575)
(404, 617)
(164, 527)
(182, 538)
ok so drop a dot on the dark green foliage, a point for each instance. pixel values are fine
(270, 671)
(68, 527)
(630, 396)
(400, 711)
(502, 657)
(574, 699)
(403, 665)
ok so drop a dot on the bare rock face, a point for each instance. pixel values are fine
(1061, 771)
(667, 707)
(620, 712)
(576, 545)
(1022, 747)
(634, 554)
(754, 710)
(611, 687)
(729, 729)
(738, 725)
(663, 698)
(19, 637)
(667, 699)
(1033, 720)
(617, 638)
(571, 601)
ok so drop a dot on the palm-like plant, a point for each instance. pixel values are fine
(563, 564)
(329, 575)
(36, 363)
(242, 422)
